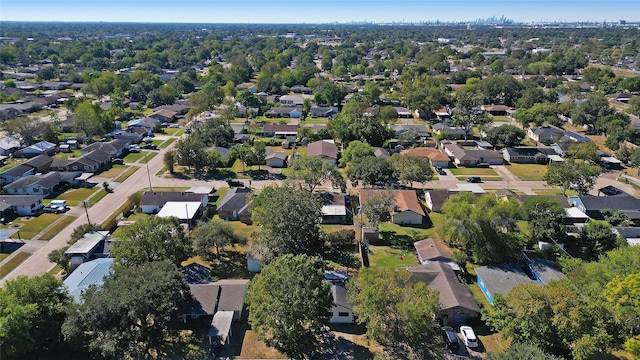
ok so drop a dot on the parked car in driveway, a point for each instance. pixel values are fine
(450, 338)
(474, 179)
(468, 336)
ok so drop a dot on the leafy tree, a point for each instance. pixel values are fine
(598, 237)
(79, 232)
(378, 208)
(355, 149)
(522, 351)
(505, 135)
(29, 129)
(369, 170)
(210, 95)
(289, 302)
(556, 318)
(545, 217)
(170, 160)
(290, 220)
(591, 110)
(483, 227)
(248, 155)
(248, 101)
(152, 239)
(60, 258)
(214, 234)
(584, 151)
(615, 218)
(132, 314)
(411, 168)
(623, 293)
(189, 151)
(352, 124)
(32, 311)
(399, 312)
(572, 173)
(308, 172)
(164, 95)
(87, 119)
(634, 106)
(329, 94)
(467, 115)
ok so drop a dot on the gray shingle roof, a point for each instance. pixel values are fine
(439, 276)
(500, 279)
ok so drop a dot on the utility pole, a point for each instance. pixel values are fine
(148, 174)
(84, 203)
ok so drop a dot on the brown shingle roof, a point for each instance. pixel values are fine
(323, 148)
(431, 153)
(405, 200)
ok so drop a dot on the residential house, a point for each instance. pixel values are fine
(186, 211)
(325, 149)
(115, 148)
(153, 201)
(76, 164)
(55, 85)
(573, 215)
(276, 159)
(164, 115)
(180, 107)
(284, 112)
(86, 247)
(35, 184)
(239, 128)
(40, 163)
(323, 111)
(9, 145)
(500, 279)
(16, 172)
(497, 110)
(463, 157)
(458, 306)
(593, 205)
(301, 89)
(540, 269)
(430, 250)
(280, 130)
(546, 134)
(341, 311)
(39, 148)
(406, 210)
(575, 137)
(133, 134)
(235, 205)
(103, 159)
(148, 123)
(438, 159)
(434, 199)
(91, 273)
(524, 155)
(452, 133)
(22, 205)
(382, 153)
(630, 234)
(334, 209)
(409, 132)
(291, 100)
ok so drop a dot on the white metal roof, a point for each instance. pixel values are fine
(183, 210)
(334, 210)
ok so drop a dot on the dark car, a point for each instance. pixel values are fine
(450, 338)
(149, 147)
(234, 183)
(442, 172)
(117, 161)
(474, 179)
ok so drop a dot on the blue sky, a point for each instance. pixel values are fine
(307, 11)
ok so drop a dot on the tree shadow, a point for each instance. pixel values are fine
(231, 265)
(345, 258)
(338, 347)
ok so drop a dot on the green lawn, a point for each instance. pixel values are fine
(75, 196)
(3, 256)
(97, 196)
(484, 178)
(125, 175)
(553, 191)
(13, 263)
(473, 171)
(114, 171)
(36, 225)
(528, 172)
(64, 155)
(171, 131)
(166, 143)
(133, 157)
(54, 230)
(389, 256)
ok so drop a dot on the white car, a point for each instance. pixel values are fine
(468, 336)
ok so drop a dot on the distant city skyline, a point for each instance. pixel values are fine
(327, 11)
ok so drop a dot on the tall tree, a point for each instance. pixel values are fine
(152, 239)
(378, 208)
(132, 314)
(505, 135)
(598, 237)
(355, 149)
(399, 312)
(369, 170)
(28, 129)
(32, 311)
(309, 172)
(411, 168)
(467, 114)
(545, 217)
(289, 302)
(290, 220)
(216, 234)
(572, 173)
(87, 119)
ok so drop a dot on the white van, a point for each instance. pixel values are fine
(56, 206)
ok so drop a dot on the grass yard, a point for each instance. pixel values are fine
(3, 256)
(252, 348)
(528, 172)
(133, 157)
(166, 143)
(36, 225)
(114, 171)
(380, 255)
(54, 230)
(125, 175)
(553, 191)
(65, 155)
(473, 171)
(484, 178)
(171, 131)
(501, 119)
(13, 263)
(97, 197)
(75, 196)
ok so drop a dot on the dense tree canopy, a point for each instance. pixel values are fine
(309, 172)
(369, 170)
(214, 233)
(576, 174)
(289, 303)
(290, 220)
(400, 313)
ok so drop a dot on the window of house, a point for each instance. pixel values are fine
(343, 314)
(75, 168)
